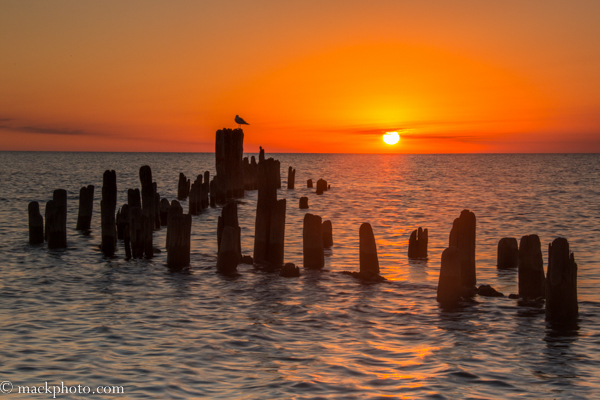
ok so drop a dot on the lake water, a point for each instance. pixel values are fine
(76, 317)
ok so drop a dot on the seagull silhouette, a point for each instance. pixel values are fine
(240, 121)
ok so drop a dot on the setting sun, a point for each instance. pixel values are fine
(391, 138)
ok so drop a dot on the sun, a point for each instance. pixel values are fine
(391, 138)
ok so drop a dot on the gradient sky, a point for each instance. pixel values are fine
(309, 76)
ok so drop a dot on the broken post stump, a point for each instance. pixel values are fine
(56, 220)
(417, 244)
(182, 187)
(321, 186)
(229, 217)
(369, 263)
(108, 206)
(309, 184)
(508, 253)
(289, 270)
(179, 228)
(449, 289)
(531, 268)
(291, 178)
(561, 285)
(303, 203)
(228, 257)
(86, 205)
(327, 233)
(36, 223)
(268, 180)
(462, 236)
(312, 242)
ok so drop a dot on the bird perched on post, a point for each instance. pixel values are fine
(240, 121)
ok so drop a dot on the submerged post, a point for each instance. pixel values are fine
(309, 184)
(108, 206)
(462, 236)
(531, 268)
(508, 253)
(86, 205)
(303, 203)
(561, 285)
(417, 244)
(321, 186)
(312, 242)
(36, 223)
(450, 283)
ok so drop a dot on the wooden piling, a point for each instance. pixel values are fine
(327, 233)
(229, 149)
(56, 220)
(164, 212)
(561, 285)
(229, 217)
(86, 205)
(417, 244)
(508, 253)
(291, 178)
(36, 223)
(182, 187)
(136, 231)
(108, 206)
(228, 258)
(309, 184)
(312, 242)
(462, 236)
(531, 268)
(268, 175)
(179, 228)
(275, 253)
(126, 229)
(449, 289)
(157, 223)
(321, 186)
(303, 203)
(147, 209)
(369, 263)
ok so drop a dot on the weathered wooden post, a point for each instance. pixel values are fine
(120, 222)
(508, 253)
(147, 209)
(561, 285)
(327, 233)
(266, 208)
(136, 223)
(291, 178)
(182, 187)
(462, 236)
(108, 206)
(213, 192)
(229, 217)
(312, 242)
(156, 208)
(36, 223)
(126, 230)
(228, 259)
(86, 205)
(164, 212)
(449, 289)
(179, 228)
(229, 149)
(417, 244)
(303, 203)
(369, 263)
(321, 186)
(277, 234)
(204, 199)
(531, 268)
(309, 184)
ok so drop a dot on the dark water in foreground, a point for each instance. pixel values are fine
(73, 316)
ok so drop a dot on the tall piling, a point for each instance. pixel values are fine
(369, 263)
(229, 149)
(86, 206)
(56, 220)
(462, 236)
(36, 223)
(164, 211)
(508, 253)
(108, 206)
(291, 178)
(561, 285)
(277, 234)
(327, 229)
(266, 207)
(126, 230)
(531, 268)
(183, 190)
(136, 223)
(147, 209)
(450, 283)
(312, 242)
(179, 228)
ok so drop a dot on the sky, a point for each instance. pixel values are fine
(308, 76)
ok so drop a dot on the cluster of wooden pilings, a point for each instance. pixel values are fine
(558, 286)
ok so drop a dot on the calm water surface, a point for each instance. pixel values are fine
(76, 317)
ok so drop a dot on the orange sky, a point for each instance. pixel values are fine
(309, 76)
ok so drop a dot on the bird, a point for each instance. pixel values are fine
(240, 121)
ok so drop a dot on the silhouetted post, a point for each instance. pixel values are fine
(309, 184)
(227, 260)
(56, 220)
(120, 222)
(312, 241)
(164, 212)
(369, 263)
(417, 244)
(450, 283)
(179, 228)
(289, 270)
(86, 205)
(462, 236)
(204, 200)
(147, 209)
(36, 223)
(136, 223)
(531, 268)
(561, 285)
(321, 186)
(266, 207)
(126, 230)
(303, 203)
(229, 149)
(156, 208)
(108, 206)
(291, 177)
(277, 234)
(183, 190)
(327, 233)
(508, 253)
(213, 193)
(196, 196)
(229, 217)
